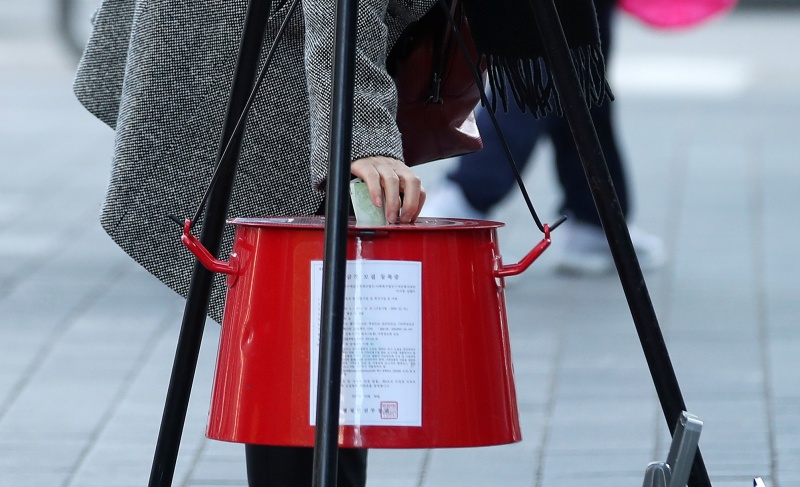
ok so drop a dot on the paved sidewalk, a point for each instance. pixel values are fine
(709, 119)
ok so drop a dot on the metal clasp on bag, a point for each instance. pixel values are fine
(436, 90)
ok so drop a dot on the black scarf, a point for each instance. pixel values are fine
(506, 36)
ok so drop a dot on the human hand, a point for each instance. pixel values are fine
(388, 178)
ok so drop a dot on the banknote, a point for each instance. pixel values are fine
(367, 214)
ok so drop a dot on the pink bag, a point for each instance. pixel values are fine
(675, 14)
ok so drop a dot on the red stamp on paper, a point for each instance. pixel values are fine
(388, 410)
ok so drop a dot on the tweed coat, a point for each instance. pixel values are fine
(159, 72)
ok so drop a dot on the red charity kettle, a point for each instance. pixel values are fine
(426, 356)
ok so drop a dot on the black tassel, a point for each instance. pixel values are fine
(530, 82)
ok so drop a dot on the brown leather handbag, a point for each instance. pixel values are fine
(437, 92)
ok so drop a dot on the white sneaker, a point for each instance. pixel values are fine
(448, 201)
(584, 249)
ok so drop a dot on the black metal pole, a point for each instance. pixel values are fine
(609, 210)
(326, 450)
(191, 333)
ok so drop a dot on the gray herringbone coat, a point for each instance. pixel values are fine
(159, 73)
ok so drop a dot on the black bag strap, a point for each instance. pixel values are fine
(442, 47)
(486, 104)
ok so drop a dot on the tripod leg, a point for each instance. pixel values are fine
(576, 111)
(335, 257)
(191, 333)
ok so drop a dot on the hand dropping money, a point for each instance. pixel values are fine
(367, 214)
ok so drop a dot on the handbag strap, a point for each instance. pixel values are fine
(441, 53)
(476, 73)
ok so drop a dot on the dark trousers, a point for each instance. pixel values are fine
(486, 178)
(283, 466)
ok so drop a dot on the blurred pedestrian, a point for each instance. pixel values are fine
(481, 180)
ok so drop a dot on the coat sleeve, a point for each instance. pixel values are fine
(375, 99)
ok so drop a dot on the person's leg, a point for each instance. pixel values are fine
(578, 202)
(585, 249)
(485, 177)
(577, 196)
(352, 470)
(282, 466)
(274, 466)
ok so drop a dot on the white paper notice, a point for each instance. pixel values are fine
(382, 349)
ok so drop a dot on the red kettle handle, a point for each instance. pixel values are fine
(210, 262)
(519, 267)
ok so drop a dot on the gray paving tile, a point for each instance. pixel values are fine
(400, 468)
(37, 460)
(511, 465)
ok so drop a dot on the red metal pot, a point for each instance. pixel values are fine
(426, 359)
